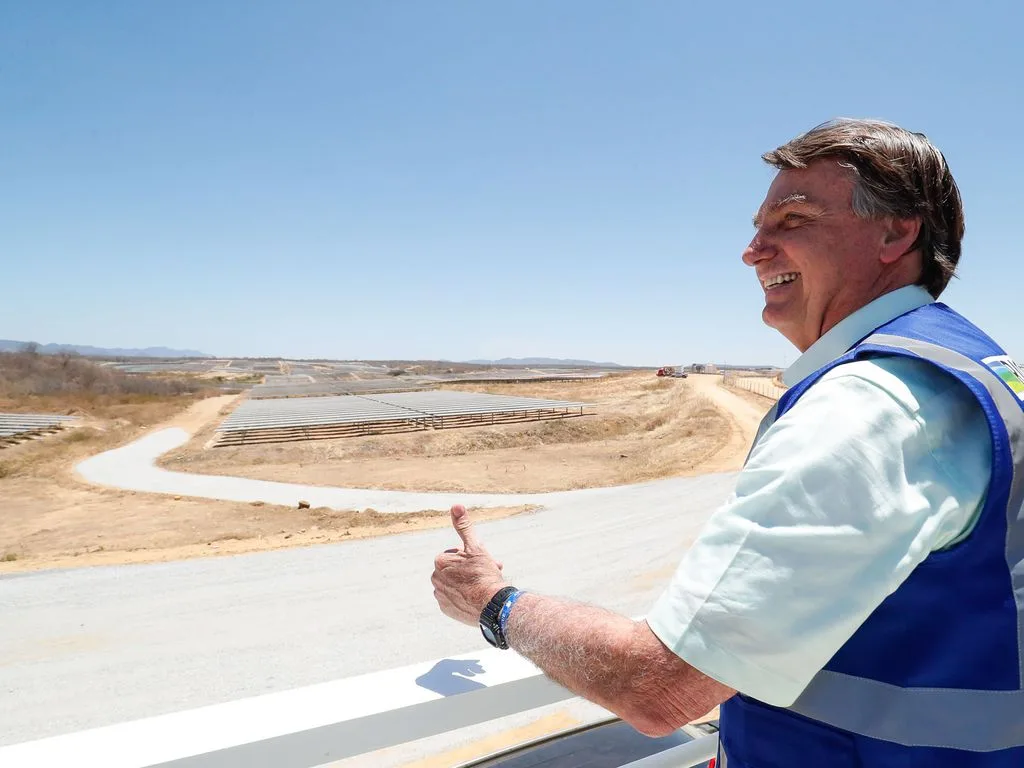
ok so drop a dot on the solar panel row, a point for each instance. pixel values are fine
(12, 424)
(350, 415)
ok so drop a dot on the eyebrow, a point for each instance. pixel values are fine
(796, 197)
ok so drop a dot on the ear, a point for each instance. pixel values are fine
(900, 235)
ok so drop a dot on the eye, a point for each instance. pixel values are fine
(791, 220)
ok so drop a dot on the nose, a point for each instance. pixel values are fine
(757, 251)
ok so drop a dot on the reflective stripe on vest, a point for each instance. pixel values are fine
(955, 718)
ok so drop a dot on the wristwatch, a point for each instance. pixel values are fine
(490, 618)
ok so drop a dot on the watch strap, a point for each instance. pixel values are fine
(490, 617)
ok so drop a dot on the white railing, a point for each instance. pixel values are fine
(323, 723)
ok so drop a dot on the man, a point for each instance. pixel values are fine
(858, 600)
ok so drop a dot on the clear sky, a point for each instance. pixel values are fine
(411, 179)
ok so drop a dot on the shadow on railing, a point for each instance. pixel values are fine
(323, 723)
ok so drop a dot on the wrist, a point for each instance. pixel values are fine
(488, 594)
(506, 610)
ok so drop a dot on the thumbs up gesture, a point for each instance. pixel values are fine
(465, 579)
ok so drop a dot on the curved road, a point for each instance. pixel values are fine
(89, 647)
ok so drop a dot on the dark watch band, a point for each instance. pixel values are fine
(490, 623)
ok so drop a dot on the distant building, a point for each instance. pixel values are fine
(702, 368)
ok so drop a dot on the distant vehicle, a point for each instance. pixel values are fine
(674, 371)
(608, 744)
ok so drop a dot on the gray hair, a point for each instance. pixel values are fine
(896, 173)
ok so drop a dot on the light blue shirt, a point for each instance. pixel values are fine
(877, 465)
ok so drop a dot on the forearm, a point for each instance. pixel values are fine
(603, 657)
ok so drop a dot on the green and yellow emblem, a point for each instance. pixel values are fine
(1009, 371)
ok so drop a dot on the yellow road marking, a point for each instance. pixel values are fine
(545, 726)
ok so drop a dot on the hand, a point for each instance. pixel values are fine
(465, 579)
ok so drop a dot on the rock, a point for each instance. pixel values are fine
(256, 503)
(287, 535)
(303, 504)
(177, 498)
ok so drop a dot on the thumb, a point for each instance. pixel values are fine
(464, 527)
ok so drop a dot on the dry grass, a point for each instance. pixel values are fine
(28, 377)
(111, 407)
(645, 428)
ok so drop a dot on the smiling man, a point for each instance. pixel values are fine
(859, 600)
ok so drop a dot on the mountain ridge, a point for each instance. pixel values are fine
(544, 361)
(10, 345)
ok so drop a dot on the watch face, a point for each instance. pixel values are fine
(488, 633)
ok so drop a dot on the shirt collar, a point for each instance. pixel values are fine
(854, 327)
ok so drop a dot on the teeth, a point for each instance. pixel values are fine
(789, 277)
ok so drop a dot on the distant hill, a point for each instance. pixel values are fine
(545, 361)
(8, 345)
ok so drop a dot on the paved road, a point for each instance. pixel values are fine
(89, 647)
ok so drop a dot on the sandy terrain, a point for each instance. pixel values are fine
(52, 520)
(647, 428)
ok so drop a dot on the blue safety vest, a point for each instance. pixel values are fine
(933, 677)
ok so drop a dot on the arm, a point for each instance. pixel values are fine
(613, 661)
(609, 659)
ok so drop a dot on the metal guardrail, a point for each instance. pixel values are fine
(324, 723)
(688, 755)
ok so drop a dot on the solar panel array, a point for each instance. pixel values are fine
(525, 378)
(319, 418)
(14, 426)
(173, 366)
(331, 387)
(281, 380)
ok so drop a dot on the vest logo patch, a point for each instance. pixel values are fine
(1009, 371)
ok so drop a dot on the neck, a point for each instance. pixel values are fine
(901, 274)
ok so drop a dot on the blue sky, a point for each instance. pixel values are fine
(462, 179)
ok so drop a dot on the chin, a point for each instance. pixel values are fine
(790, 333)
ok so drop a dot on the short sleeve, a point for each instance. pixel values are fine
(876, 466)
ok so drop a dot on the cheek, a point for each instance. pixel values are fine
(819, 264)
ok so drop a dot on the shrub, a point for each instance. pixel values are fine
(28, 373)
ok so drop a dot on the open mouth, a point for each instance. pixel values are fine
(775, 282)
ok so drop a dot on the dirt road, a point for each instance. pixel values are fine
(744, 415)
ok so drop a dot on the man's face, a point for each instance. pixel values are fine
(816, 260)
